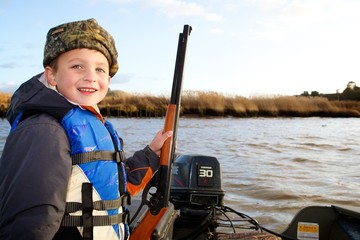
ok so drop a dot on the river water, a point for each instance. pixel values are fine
(271, 167)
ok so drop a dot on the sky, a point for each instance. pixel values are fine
(237, 47)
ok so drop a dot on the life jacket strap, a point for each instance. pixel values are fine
(87, 218)
(86, 157)
(77, 221)
(100, 205)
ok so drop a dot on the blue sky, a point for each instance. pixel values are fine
(242, 47)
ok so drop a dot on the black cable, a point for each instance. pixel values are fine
(224, 213)
(251, 220)
(254, 222)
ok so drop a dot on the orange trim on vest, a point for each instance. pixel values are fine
(134, 189)
(96, 113)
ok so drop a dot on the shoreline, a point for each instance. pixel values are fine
(212, 104)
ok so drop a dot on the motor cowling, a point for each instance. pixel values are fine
(196, 182)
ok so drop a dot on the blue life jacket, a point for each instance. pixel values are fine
(96, 197)
(97, 186)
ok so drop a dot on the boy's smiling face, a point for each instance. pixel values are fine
(81, 75)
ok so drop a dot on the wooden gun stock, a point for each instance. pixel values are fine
(159, 202)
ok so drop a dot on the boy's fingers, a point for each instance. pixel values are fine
(169, 134)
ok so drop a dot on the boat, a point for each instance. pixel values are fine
(196, 211)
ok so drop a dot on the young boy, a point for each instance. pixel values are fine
(63, 174)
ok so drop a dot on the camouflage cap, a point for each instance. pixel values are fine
(80, 34)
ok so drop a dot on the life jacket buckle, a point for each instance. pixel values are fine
(120, 156)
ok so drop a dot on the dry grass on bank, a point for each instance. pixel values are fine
(203, 104)
(119, 103)
(5, 99)
(210, 103)
(4, 103)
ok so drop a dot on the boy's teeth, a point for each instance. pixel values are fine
(87, 90)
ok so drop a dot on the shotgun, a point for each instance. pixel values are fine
(159, 201)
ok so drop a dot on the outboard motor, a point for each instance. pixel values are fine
(196, 189)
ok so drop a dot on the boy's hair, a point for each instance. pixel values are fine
(80, 34)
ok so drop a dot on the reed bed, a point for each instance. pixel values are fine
(275, 106)
(4, 103)
(214, 104)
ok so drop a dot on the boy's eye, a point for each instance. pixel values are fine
(101, 70)
(76, 66)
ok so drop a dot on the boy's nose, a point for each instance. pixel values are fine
(89, 79)
(90, 76)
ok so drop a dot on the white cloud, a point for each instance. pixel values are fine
(303, 13)
(9, 86)
(174, 8)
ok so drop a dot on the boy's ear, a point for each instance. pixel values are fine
(50, 76)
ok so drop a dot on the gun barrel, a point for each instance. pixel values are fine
(159, 202)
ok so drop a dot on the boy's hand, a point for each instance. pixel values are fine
(158, 141)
